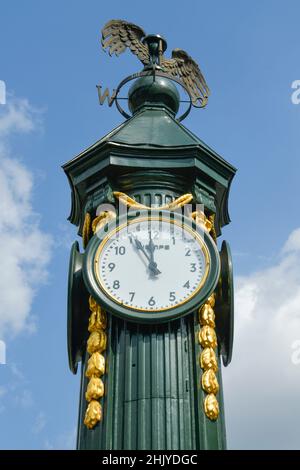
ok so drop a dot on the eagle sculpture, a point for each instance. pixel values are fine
(117, 35)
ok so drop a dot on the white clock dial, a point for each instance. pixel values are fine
(152, 264)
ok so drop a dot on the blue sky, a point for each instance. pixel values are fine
(51, 61)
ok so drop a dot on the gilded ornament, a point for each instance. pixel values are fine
(208, 359)
(211, 300)
(213, 230)
(86, 230)
(96, 342)
(201, 219)
(93, 414)
(210, 382)
(95, 389)
(207, 315)
(207, 337)
(211, 407)
(102, 219)
(179, 202)
(129, 202)
(92, 303)
(95, 365)
(97, 320)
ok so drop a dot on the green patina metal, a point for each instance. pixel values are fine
(154, 140)
(153, 396)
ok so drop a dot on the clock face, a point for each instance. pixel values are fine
(151, 264)
(151, 268)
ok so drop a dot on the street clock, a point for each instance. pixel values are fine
(151, 268)
(150, 298)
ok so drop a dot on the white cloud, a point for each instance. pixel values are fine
(3, 393)
(16, 372)
(16, 394)
(262, 384)
(24, 247)
(40, 423)
(17, 116)
(24, 399)
(63, 441)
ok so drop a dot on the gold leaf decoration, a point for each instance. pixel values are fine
(211, 407)
(201, 219)
(213, 230)
(207, 315)
(95, 365)
(207, 337)
(86, 230)
(96, 342)
(93, 414)
(210, 382)
(211, 300)
(95, 389)
(97, 320)
(208, 359)
(102, 219)
(130, 202)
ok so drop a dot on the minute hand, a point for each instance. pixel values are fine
(152, 266)
(139, 246)
(151, 247)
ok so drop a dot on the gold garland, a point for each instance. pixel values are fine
(208, 337)
(130, 202)
(213, 229)
(102, 219)
(208, 359)
(86, 230)
(201, 219)
(90, 227)
(96, 343)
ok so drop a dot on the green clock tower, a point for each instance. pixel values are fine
(150, 299)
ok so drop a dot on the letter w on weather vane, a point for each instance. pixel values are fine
(106, 96)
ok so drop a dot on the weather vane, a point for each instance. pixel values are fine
(118, 35)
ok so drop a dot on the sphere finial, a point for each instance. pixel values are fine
(158, 93)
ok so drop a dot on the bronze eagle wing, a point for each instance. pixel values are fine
(117, 35)
(184, 67)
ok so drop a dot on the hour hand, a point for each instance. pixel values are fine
(153, 268)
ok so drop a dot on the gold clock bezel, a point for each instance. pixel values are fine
(137, 220)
